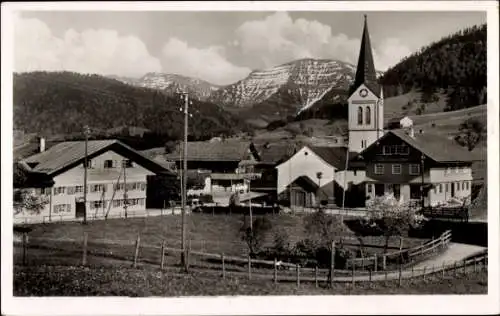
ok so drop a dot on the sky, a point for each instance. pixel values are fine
(219, 47)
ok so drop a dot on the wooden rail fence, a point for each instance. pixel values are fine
(283, 271)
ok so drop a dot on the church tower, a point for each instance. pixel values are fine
(366, 100)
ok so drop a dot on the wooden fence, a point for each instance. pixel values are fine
(379, 262)
(250, 268)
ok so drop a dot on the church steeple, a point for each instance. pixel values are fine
(365, 71)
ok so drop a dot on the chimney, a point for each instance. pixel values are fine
(41, 145)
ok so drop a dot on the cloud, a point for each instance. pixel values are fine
(278, 39)
(389, 52)
(205, 63)
(90, 51)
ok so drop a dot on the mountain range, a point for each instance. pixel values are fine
(264, 95)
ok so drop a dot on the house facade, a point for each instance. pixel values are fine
(117, 179)
(218, 164)
(418, 167)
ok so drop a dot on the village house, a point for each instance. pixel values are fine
(315, 174)
(117, 175)
(218, 163)
(399, 122)
(415, 166)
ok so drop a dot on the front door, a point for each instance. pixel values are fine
(452, 189)
(397, 191)
(80, 209)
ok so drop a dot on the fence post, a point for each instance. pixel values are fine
(455, 268)
(384, 262)
(316, 276)
(400, 275)
(223, 267)
(353, 273)
(275, 270)
(162, 261)
(298, 275)
(465, 267)
(375, 264)
(84, 254)
(25, 247)
(249, 267)
(136, 253)
(332, 264)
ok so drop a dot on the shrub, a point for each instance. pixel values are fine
(255, 236)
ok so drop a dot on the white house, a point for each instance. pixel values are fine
(315, 168)
(115, 173)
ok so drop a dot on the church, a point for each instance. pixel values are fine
(419, 167)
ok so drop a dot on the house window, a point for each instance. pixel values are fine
(414, 169)
(71, 190)
(396, 169)
(98, 188)
(59, 190)
(89, 163)
(395, 150)
(127, 163)
(143, 186)
(368, 115)
(96, 204)
(379, 168)
(108, 163)
(360, 116)
(440, 188)
(79, 189)
(62, 208)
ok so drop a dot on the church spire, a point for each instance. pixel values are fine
(365, 71)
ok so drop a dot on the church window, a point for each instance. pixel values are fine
(368, 116)
(360, 116)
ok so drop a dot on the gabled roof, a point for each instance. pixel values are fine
(66, 155)
(306, 183)
(435, 147)
(335, 156)
(273, 153)
(365, 71)
(214, 151)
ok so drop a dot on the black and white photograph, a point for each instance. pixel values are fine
(250, 157)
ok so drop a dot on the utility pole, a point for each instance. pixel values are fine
(184, 182)
(86, 132)
(422, 158)
(125, 195)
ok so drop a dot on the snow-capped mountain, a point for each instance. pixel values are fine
(268, 94)
(305, 81)
(173, 83)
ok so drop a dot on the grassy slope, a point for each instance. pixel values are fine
(213, 233)
(83, 281)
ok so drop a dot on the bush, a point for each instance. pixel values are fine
(256, 235)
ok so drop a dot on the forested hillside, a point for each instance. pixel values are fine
(52, 103)
(456, 63)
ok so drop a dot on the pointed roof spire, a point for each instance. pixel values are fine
(365, 71)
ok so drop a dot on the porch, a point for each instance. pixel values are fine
(404, 192)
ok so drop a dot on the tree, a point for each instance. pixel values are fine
(27, 200)
(322, 229)
(471, 133)
(255, 236)
(392, 217)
